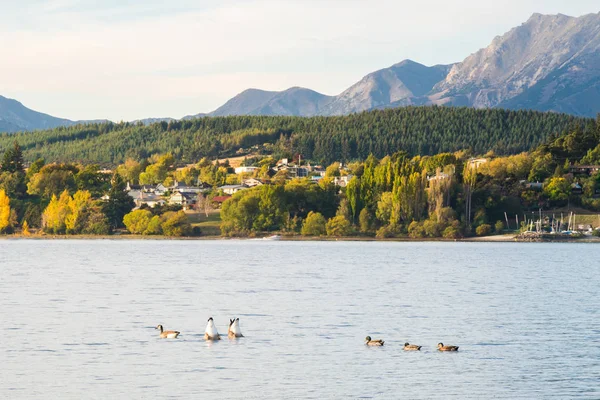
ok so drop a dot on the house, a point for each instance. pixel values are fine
(231, 189)
(150, 199)
(181, 187)
(342, 181)
(251, 182)
(442, 176)
(576, 188)
(294, 171)
(245, 170)
(476, 162)
(143, 188)
(160, 190)
(537, 186)
(219, 200)
(187, 200)
(584, 169)
(317, 170)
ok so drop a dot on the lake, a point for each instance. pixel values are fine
(78, 319)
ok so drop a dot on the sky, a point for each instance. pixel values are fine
(126, 60)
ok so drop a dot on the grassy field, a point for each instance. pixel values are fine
(209, 226)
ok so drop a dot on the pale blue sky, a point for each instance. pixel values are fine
(123, 60)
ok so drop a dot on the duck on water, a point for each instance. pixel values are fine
(211, 333)
(167, 334)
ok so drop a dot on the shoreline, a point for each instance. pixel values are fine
(506, 238)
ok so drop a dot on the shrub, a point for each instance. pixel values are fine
(96, 224)
(596, 232)
(416, 230)
(499, 226)
(176, 224)
(483, 230)
(154, 226)
(314, 224)
(137, 221)
(433, 228)
(385, 232)
(452, 232)
(338, 226)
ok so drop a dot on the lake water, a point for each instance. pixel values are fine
(78, 319)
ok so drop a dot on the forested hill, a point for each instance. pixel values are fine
(416, 130)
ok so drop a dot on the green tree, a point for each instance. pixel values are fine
(154, 226)
(176, 224)
(119, 203)
(12, 160)
(53, 179)
(338, 226)
(557, 189)
(365, 220)
(314, 225)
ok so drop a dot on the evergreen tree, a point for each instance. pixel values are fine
(119, 203)
(13, 160)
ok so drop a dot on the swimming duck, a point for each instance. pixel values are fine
(411, 347)
(234, 330)
(167, 334)
(211, 331)
(441, 347)
(370, 342)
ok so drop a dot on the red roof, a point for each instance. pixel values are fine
(220, 199)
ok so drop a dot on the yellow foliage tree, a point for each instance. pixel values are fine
(54, 216)
(26, 228)
(4, 211)
(77, 206)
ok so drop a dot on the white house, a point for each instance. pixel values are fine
(342, 180)
(183, 199)
(231, 189)
(251, 182)
(245, 170)
(150, 199)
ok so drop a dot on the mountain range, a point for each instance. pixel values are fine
(549, 63)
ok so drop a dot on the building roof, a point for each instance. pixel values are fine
(220, 199)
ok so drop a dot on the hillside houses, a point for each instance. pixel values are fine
(152, 195)
(232, 189)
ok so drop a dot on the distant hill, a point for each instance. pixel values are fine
(15, 117)
(294, 101)
(420, 130)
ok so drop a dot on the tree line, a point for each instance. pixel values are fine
(414, 130)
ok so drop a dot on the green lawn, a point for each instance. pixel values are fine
(209, 226)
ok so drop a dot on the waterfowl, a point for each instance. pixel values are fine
(441, 347)
(167, 334)
(371, 342)
(411, 347)
(211, 331)
(234, 330)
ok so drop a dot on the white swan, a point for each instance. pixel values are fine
(211, 331)
(234, 330)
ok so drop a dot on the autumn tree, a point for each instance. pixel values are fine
(5, 212)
